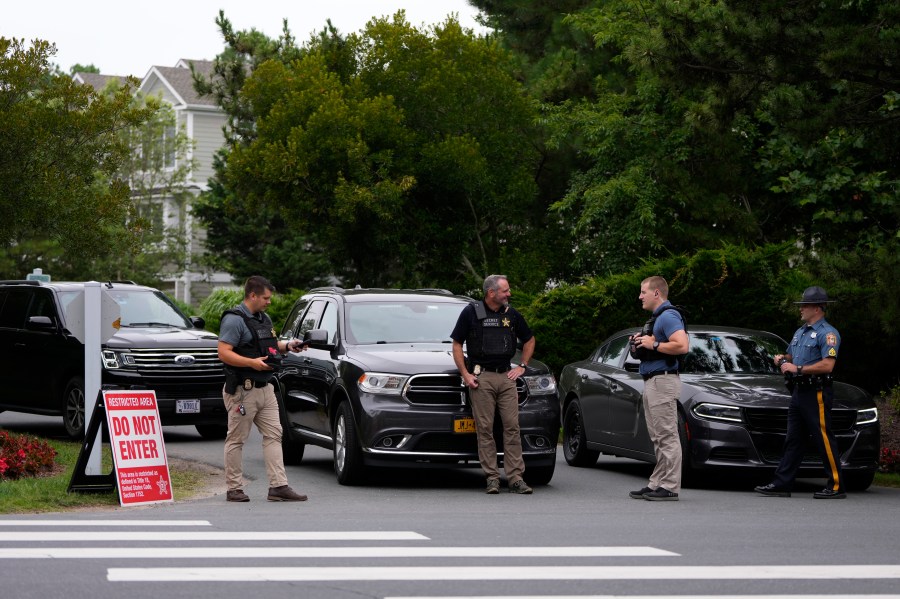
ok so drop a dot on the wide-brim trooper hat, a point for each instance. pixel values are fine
(815, 295)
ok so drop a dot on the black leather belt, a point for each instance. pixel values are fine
(657, 373)
(250, 383)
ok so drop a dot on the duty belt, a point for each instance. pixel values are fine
(250, 384)
(812, 380)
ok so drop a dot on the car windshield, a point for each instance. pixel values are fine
(733, 353)
(401, 321)
(140, 308)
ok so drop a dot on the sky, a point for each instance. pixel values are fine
(127, 37)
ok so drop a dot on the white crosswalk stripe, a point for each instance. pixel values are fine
(513, 573)
(323, 552)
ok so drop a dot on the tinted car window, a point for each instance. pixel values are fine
(311, 318)
(12, 314)
(613, 354)
(329, 321)
(43, 305)
(292, 323)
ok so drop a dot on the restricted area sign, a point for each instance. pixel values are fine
(139, 453)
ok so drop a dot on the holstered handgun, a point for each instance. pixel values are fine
(231, 383)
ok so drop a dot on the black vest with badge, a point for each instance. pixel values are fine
(643, 354)
(493, 338)
(263, 343)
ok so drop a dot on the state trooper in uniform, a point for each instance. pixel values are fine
(808, 363)
(490, 330)
(248, 347)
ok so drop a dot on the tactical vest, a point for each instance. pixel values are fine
(264, 342)
(643, 354)
(493, 338)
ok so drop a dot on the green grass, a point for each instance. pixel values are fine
(49, 493)
(885, 479)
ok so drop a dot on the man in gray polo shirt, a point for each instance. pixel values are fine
(247, 347)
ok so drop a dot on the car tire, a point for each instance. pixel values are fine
(73, 408)
(212, 432)
(574, 443)
(538, 476)
(858, 481)
(348, 465)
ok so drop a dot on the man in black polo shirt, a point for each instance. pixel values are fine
(490, 329)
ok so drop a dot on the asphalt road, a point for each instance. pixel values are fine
(434, 533)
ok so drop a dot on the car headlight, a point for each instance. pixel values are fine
(385, 384)
(109, 358)
(867, 416)
(112, 359)
(713, 411)
(542, 384)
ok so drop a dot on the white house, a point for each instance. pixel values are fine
(202, 120)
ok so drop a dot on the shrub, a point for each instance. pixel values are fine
(22, 455)
(224, 299)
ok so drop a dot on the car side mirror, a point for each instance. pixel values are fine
(198, 321)
(40, 323)
(317, 338)
(632, 366)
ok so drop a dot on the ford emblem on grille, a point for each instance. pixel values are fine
(185, 359)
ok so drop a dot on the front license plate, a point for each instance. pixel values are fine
(463, 425)
(187, 406)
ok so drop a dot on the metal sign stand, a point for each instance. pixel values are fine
(81, 481)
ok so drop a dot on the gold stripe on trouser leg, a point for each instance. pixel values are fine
(834, 473)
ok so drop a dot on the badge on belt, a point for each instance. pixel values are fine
(248, 384)
(477, 370)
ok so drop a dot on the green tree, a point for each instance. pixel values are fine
(148, 239)
(59, 152)
(406, 155)
(743, 122)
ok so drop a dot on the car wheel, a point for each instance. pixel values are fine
(575, 447)
(539, 475)
(212, 432)
(347, 453)
(73, 408)
(858, 481)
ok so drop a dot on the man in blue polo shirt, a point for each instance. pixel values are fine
(659, 349)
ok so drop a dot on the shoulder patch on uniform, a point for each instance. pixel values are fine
(831, 339)
(832, 352)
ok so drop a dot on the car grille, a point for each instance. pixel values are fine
(445, 390)
(775, 420)
(156, 362)
(435, 390)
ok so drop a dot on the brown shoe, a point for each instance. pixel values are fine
(284, 493)
(493, 486)
(236, 495)
(521, 488)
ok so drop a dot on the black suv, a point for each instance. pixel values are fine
(378, 386)
(157, 347)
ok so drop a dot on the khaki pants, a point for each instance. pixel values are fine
(261, 409)
(660, 397)
(496, 392)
